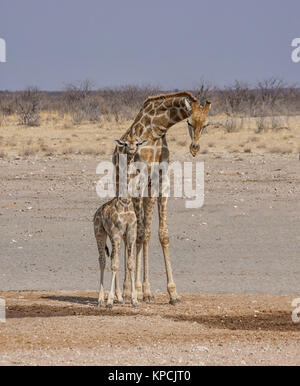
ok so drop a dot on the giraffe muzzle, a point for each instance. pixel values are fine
(194, 149)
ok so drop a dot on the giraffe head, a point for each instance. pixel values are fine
(131, 145)
(196, 123)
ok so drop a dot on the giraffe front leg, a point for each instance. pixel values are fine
(126, 286)
(101, 290)
(130, 265)
(140, 235)
(164, 241)
(114, 268)
(138, 280)
(118, 293)
(149, 204)
(101, 241)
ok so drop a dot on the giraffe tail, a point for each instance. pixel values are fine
(107, 251)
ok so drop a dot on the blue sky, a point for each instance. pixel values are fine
(166, 43)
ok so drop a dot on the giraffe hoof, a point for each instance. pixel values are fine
(100, 303)
(136, 305)
(175, 302)
(126, 300)
(109, 306)
(118, 301)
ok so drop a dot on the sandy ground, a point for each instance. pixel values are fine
(52, 328)
(244, 241)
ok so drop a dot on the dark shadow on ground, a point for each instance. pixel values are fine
(264, 321)
(73, 299)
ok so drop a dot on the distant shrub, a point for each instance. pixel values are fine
(238, 101)
(81, 103)
(28, 107)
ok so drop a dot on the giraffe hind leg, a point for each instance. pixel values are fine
(130, 243)
(126, 286)
(164, 241)
(139, 211)
(118, 292)
(101, 243)
(149, 204)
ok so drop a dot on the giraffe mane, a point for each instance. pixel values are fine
(172, 95)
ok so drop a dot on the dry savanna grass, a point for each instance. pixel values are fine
(58, 136)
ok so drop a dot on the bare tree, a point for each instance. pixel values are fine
(81, 102)
(238, 98)
(271, 90)
(204, 91)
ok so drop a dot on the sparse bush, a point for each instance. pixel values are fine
(261, 123)
(233, 124)
(271, 92)
(7, 104)
(273, 122)
(239, 99)
(81, 104)
(126, 101)
(28, 107)
(268, 98)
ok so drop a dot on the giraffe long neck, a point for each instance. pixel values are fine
(158, 115)
(125, 172)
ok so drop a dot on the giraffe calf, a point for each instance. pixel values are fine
(117, 220)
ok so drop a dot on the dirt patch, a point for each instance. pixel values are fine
(244, 240)
(67, 327)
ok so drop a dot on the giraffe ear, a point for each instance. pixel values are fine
(119, 143)
(188, 106)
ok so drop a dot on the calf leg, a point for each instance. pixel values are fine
(101, 242)
(116, 247)
(119, 297)
(138, 207)
(130, 242)
(126, 286)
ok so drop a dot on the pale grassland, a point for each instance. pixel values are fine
(60, 137)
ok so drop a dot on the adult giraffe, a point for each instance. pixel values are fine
(152, 123)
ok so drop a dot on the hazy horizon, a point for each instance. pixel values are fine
(170, 44)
